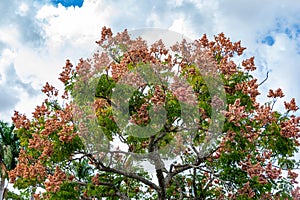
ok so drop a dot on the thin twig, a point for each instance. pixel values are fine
(264, 79)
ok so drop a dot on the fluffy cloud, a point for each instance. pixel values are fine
(37, 37)
(11, 86)
(18, 28)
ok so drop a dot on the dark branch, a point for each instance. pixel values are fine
(102, 167)
(131, 175)
(264, 79)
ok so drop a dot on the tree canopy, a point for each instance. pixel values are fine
(139, 121)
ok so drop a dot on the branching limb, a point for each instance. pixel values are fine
(100, 166)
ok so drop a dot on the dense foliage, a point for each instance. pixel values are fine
(9, 151)
(191, 112)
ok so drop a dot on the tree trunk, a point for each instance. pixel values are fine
(2, 188)
(161, 182)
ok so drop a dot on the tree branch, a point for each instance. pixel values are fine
(131, 175)
(159, 166)
(100, 166)
(264, 79)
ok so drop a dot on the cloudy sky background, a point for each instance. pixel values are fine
(37, 36)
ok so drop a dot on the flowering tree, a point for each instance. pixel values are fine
(148, 122)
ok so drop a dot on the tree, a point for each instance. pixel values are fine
(9, 151)
(190, 113)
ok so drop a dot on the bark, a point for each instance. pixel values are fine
(2, 188)
(159, 166)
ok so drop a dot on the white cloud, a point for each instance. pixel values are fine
(42, 36)
(23, 8)
(62, 24)
(282, 61)
(6, 59)
(8, 35)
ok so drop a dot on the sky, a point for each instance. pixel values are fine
(37, 36)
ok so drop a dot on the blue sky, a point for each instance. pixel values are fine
(68, 3)
(37, 36)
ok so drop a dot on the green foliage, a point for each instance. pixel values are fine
(104, 87)
(9, 148)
